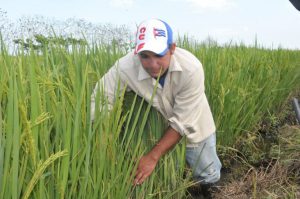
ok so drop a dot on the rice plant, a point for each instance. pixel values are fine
(50, 148)
(244, 84)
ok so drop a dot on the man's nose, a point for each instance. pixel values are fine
(154, 62)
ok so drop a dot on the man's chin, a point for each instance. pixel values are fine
(154, 75)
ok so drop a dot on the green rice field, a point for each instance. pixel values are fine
(49, 148)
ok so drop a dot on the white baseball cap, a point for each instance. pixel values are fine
(153, 35)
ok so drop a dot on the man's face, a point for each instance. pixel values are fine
(153, 63)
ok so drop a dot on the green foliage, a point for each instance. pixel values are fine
(41, 42)
(245, 84)
(25, 29)
(50, 148)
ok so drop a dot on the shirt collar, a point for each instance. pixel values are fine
(142, 73)
(174, 66)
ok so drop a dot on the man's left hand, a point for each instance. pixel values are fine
(145, 167)
(148, 162)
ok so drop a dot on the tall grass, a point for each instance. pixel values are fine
(49, 148)
(244, 84)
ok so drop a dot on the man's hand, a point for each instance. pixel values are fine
(148, 162)
(145, 168)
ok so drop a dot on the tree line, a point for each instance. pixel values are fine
(37, 31)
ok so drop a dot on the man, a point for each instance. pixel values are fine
(179, 97)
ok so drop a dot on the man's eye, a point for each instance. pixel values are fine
(143, 56)
(158, 56)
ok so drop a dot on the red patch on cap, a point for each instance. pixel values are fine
(140, 46)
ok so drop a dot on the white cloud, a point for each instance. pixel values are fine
(122, 3)
(212, 4)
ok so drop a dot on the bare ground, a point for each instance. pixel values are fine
(266, 167)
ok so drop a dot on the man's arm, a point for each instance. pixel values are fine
(148, 162)
(106, 89)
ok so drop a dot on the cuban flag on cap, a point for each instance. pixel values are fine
(159, 32)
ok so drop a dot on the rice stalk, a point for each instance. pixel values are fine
(40, 170)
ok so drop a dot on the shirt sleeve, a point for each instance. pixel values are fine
(106, 90)
(187, 109)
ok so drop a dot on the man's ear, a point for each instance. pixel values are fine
(172, 48)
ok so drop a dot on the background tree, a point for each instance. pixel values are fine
(31, 30)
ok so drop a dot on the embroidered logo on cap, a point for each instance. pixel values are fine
(159, 32)
(140, 46)
(142, 33)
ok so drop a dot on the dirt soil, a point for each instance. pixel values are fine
(266, 167)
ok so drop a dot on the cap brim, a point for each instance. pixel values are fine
(155, 47)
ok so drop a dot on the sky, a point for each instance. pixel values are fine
(272, 23)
